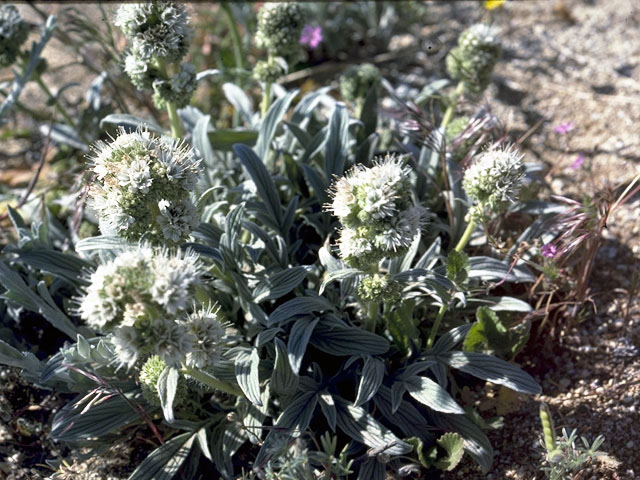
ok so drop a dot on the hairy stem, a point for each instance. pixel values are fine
(451, 109)
(172, 110)
(266, 97)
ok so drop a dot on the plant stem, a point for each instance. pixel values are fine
(266, 97)
(172, 110)
(212, 381)
(451, 109)
(466, 236)
(436, 325)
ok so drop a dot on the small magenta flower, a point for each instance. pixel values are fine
(577, 163)
(549, 250)
(311, 36)
(564, 128)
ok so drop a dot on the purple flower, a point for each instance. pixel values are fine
(311, 36)
(549, 250)
(564, 128)
(577, 163)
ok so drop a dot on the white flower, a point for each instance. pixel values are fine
(156, 29)
(494, 179)
(136, 176)
(279, 27)
(142, 297)
(172, 341)
(144, 186)
(208, 333)
(376, 210)
(124, 340)
(173, 279)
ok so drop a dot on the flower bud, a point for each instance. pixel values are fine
(270, 72)
(13, 33)
(473, 59)
(356, 81)
(177, 90)
(143, 188)
(156, 29)
(149, 375)
(493, 180)
(376, 210)
(379, 287)
(279, 28)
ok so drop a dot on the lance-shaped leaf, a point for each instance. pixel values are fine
(372, 376)
(336, 148)
(283, 379)
(298, 340)
(77, 424)
(429, 393)
(262, 180)
(299, 306)
(279, 284)
(272, 119)
(341, 274)
(360, 425)
(492, 369)
(337, 338)
(167, 385)
(164, 462)
(247, 375)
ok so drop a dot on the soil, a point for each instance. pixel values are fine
(563, 61)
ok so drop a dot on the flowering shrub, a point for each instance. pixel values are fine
(284, 299)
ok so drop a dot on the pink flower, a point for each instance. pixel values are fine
(577, 163)
(311, 36)
(564, 128)
(549, 250)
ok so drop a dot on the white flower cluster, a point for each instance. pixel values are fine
(144, 299)
(158, 33)
(357, 81)
(156, 29)
(375, 208)
(143, 187)
(473, 59)
(494, 180)
(280, 25)
(13, 33)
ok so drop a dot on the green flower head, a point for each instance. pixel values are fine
(473, 59)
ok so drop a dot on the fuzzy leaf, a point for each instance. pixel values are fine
(298, 340)
(247, 375)
(429, 393)
(164, 462)
(328, 407)
(337, 338)
(336, 148)
(284, 380)
(362, 427)
(279, 284)
(75, 424)
(272, 119)
(167, 385)
(492, 369)
(341, 274)
(262, 179)
(299, 306)
(372, 376)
